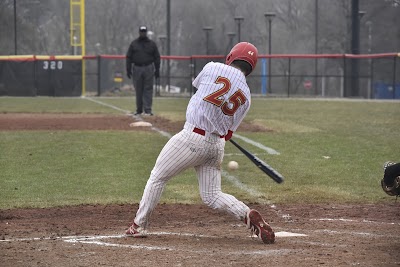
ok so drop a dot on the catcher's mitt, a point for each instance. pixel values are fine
(391, 180)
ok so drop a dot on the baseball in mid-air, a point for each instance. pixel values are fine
(233, 165)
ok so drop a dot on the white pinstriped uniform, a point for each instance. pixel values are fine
(189, 149)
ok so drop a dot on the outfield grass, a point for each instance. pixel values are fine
(331, 152)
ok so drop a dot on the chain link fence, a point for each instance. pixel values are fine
(375, 76)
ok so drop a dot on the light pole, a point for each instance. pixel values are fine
(168, 43)
(316, 49)
(269, 16)
(355, 47)
(162, 38)
(231, 35)
(98, 48)
(15, 27)
(239, 21)
(207, 31)
(369, 25)
(361, 14)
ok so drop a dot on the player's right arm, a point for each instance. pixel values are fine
(197, 81)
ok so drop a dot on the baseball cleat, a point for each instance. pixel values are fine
(136, 231)
(259, 227)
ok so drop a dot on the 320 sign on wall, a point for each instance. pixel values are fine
(52, 65)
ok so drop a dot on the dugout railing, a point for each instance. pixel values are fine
(373, 76)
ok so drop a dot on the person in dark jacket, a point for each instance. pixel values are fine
(142, 65)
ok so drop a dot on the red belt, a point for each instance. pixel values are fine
(203, 133)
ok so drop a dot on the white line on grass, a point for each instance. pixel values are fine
(256, 144)
(241, 154)
(127, 112)
(254, 193)
(236, 182)
(107, 105)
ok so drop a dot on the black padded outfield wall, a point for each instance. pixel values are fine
(17, 77)
(41, 76)
(58, 77)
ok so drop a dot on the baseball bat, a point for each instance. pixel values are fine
(271, 172)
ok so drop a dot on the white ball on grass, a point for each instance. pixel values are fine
(233, 165)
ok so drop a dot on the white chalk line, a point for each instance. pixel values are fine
(254, 193)
(352, 220)
(162, 233)
(107, 105)
(241, 154)
(231, 178)
(98, 240)
(256, 144)
(127, 112)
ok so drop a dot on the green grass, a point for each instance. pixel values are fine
(56, 168)
(52, 168)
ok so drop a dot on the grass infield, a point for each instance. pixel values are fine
(331, 152)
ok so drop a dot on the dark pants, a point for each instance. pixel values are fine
(143, 79)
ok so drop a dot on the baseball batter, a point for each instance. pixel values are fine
(213, 114)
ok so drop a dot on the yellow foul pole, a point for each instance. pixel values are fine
(77, 34)
(83, 35)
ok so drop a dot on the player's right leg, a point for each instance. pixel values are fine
(209, 176)
(180, 153)
(258, 226)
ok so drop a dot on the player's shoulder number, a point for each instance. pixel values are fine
(230, 106)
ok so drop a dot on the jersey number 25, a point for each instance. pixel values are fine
(234, 102)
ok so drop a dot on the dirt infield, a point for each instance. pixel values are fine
(190, 235)
(193, 235)
(66, 122)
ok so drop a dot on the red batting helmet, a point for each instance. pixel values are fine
(243, 51)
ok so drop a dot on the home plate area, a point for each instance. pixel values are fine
(193, 235)
(112, 241)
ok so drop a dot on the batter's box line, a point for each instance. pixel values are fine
(352, 220)
(197, 251)
(85, 238)
(336, 232)
(97, 240)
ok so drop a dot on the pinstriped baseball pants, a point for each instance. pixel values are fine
(185, 150)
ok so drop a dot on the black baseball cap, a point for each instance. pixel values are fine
(143, 29)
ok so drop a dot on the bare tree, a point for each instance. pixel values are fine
(6, 27)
